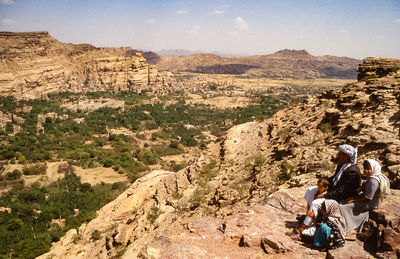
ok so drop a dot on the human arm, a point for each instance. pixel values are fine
(371, 187)
(318, 196)
(360, 199)
(310, 213)
(347, 186)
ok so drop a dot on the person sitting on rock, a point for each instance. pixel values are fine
(313, 191)
(330, 214)
(342, 185)
(346, 181)
(356, 210)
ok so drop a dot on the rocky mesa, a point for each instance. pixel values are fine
(240, 196)
(34, 64)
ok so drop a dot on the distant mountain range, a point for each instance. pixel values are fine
(183, 52)
(284, 63)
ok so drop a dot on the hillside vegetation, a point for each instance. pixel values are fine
(239, 199)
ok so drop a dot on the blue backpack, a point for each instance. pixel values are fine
(321, 236)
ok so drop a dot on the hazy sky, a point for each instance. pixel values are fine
(354, 28)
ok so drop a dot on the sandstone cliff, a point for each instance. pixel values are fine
(34, 64)
(151, 57)
(284, 63)
(231, 203)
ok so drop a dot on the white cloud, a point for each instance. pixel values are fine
(151, 20)
(195, 29)
(8, 22)
(182, 12)
(241, 24)
(397, 20)
(219, 12)
(7, 2)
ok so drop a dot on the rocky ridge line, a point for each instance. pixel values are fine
(284, 63)
(34, 64)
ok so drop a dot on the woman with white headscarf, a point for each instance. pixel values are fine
(356, 210)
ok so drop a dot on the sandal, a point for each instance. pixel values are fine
(295, 237)
(351, 236)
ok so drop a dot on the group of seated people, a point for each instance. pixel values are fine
(336, 209)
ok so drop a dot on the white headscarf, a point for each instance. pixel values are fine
(384, 184)
(351, 152)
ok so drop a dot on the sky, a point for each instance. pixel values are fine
(352, 28)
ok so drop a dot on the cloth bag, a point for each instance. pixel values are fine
(321, 236)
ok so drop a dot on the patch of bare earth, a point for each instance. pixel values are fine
(221, 102)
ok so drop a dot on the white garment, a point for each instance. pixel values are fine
(342, 169)
(310, 194)
(384, 183)
(310, 231)
(315, 206)
(351, 152)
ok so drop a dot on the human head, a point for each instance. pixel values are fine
(323, 184)
(347, 154)
(371, 167)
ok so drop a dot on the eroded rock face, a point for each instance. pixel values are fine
(245, 209)
(249, 232)
(377, 67)
(34, 64)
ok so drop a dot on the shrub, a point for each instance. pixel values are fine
(37, 169)
(176, 195)
(287, 171)
(154, 213)
(118, 186)
(284, 133)
(14, 175)
(208, 171)
(162, 150)
(259, 161)
(326, 128)
(369, 77)
(147, 157)
(96, 235)
(198, 197)
(173, 144)
(177, 167)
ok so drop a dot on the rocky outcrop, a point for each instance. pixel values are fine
(34, 64)
(121, 74)
(250, 232)
(284, 63)
(151, 57)
(240, 200)
(377, 67)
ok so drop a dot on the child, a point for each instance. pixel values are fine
(309, 196)
(322, 186)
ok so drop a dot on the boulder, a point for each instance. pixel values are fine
(391, 240)
(351, 250)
